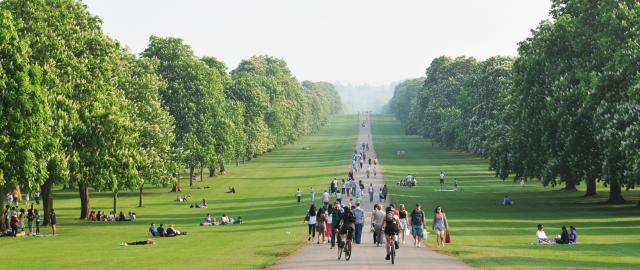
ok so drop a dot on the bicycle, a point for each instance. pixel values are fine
(346, 248)
(392, 247)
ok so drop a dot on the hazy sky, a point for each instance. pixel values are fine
(363, 41)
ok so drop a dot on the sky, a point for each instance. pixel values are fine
(348, 41)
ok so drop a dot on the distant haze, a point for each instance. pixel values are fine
(364, 97)
(355, 41)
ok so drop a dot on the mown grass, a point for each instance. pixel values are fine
(490, 236)
(266, 186)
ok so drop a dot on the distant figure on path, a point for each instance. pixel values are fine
(311, 221)
(299, 195)
(441, 180)
(312, 194)
(370, 189)
(359, 213)
(325, 199)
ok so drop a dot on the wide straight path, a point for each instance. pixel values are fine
(367, 255)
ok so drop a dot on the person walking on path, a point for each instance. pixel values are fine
(321, 224)
(325, 199)
(359, 213)
(377, 217)
(417, 225)
(403, 222)
(370, 189)
(385, 190)
(440, 225)
(441, 180)
(38, 197)
(299, 195)
(312, 194)
(311, 221)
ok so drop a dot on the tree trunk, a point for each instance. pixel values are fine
(201, 171)
(191, 176)
(3, 225)
(212, 171)
(615, 193)
(115, 203)
(140, 195)
(84, 200)
(47, 200)
(237, 161)
(176, 186)
(591, 187)
(570, 186)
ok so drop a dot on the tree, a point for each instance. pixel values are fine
(401, 102)
(24, 114)
(194, 97)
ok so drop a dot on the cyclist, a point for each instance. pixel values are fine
(348, 225)
(391, 228)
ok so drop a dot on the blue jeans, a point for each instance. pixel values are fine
(370, 196)
(358, 233)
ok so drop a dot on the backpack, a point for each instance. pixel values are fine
(389, 217)
(416, 217)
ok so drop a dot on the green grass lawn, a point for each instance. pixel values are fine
(266, 186)
(491, 236)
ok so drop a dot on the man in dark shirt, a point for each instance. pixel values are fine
(161, 231)
(336, 216)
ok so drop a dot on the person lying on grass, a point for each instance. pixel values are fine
(144, 242)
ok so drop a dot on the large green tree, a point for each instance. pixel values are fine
(24, 115)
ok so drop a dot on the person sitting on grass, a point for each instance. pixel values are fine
(541, 236)
(573, 235)
(208, 221)
(111, 217)
(506, 200)
(152, 230)
(231, 190)
(144, 242)
(172, 232)
(563, 238)
(160, 231)
(121, 217)
(92, 216)
(204, 203)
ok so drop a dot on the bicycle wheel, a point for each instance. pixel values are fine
(347, 251)
(393, 253)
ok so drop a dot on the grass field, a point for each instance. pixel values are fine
(491, 236)
(266, 186)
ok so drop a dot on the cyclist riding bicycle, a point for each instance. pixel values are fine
(348, 225)
(391, 228)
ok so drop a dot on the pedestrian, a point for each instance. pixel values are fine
(299, 195)
(329, 229)
(358, 195)
(385, 190)
(370, 189)
(403, 222)
(16, 196)
(37, 219)
(311, 220)
(14, 224)
(359, 213)
(312, 194)
(321, 224)
(53, 220)
(325, 199)
(441, 180)
(344, 186)
(377, 217)
(380, 195)
(38, 197)
(417, 225)
(338, 196)
(440, 225)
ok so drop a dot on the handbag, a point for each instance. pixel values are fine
(447, 238)
(306, 218)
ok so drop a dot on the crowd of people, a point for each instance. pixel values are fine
(565, 237)
(160, 231)
(111, 217)
(26, 222)
(209, 220)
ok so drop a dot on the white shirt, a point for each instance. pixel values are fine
(311, 190)
(442, 176)
(325, 197)
(540, 235)
(370, 189)
(298, 193)
(312, 220)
